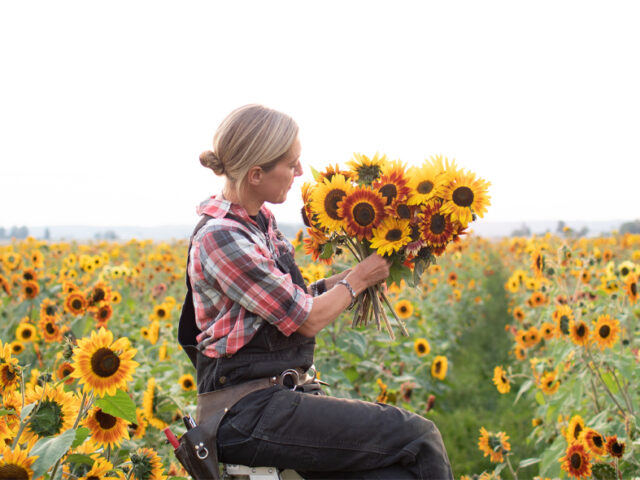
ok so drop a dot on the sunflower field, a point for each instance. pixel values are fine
(523, 351)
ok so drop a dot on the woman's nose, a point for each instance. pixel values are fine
(298, 170)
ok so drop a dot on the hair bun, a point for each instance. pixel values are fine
(210, 160)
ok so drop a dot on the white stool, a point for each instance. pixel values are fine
(242, 472)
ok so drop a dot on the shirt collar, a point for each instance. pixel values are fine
(217, 206)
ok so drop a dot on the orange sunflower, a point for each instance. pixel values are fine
(494, 445)
(75, 303)
(577, 461)
(605, 331)
(437, 228)
(579, 332)
(362, 210)
(549, 383)
(392, 184)
(106, 430)
(615, 447)
(595, 441)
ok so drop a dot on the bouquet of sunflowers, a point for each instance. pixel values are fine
(409, 215)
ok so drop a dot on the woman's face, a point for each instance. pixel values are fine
(277, 182)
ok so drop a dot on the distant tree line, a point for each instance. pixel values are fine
(15, 232)
(630, 227)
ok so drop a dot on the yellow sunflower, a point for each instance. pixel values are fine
(493, 445)
(575, 429)
(518, 314)
(437, 228)
(116, 297)
(326, 199)
(421, 347)
(26, 332)
(549, 383)
(563, 316)
(547, 330)
(425, 182)
(9, 368)
(15, 463)
(577, 461)
(146, 465)
(538, 262)
(50, 329)
(99, 470)
(605, 331)
(56, 413)
(595, 441)
(362, 210)
(501, 380)
(149, 402)
(392, 184)
(37, 258)
(367, 170)
(465, 196)
(631, 288)
(11, 260)
(103, 365)
(579, 332)
(391, 236)
(138, 429)
(49, 308)
(187, 382)
(106, 430)
(439, 367)
(404, 309)
(17, 347)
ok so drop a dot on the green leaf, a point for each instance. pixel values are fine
(81, 435)
(118, 405)
(315, 173)
(610, 382)
(5, 411)
(327, 251)
(529, 461)
(351, 373)
(523, 388)
(79, 458)
(602, 471)
(26, 410)
(540, 398)
(49, 450)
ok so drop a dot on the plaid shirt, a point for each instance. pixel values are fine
(236, 283)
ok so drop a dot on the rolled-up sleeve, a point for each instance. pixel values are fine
(249, 276)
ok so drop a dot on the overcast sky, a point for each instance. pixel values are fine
(105, 106)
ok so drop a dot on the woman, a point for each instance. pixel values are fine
(256, 319)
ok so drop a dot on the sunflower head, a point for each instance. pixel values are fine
(326, 200)
(421, 347)
(577, 461)
(501, 380)
(362, 210)
(367, 170)
(391, 236)
(439, 367)
(146, 465)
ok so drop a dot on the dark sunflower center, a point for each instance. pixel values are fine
(29, 276)
(403, 211)
(161, 313)
(604, 331)
(581, 330)
(47, 420)
(389, 191)
(187, 383)
(331, 203)
(403, 309)
(634, 289)
(50, 310)
(564, 324)
(98, 295)
(66, 371)
(27, 333)
(438, 366)
(617, 448)
(463, 196)
(105, 420)
(597, 440)
(76, 304)
(539, 262)
(503, 379)
(29, 290)
(50, 328)
(364, 214)
(438, 224)
(576, 431)
(576, 461)
(104, 313)
(624, 271)
(495, 443)
(393, 235)
(93, 477)
(549, 383)
(8, 374)
(422, 348)
(425, 187)
(11, 471)
(104, 362)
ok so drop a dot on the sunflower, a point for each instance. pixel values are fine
(533, 337)
(404, 309)
(362, 210)
(494, 445)
(439, 367)
(17, 347)
(103, 365)
(538, 262)
(436, 227)
(537, 299)
(421, 347)
(585, 277)
(63, 371)
(11, 260)
(161, 312)
(146, 465)
(116, 297)
(138, 429)
(547, 330)
(29, 275)
(99, 469)
(518, 314)
(465, 196)
(149, 404)
(9, 368)
(100, 292)
(5, 285)
(605, 331)
(563, 316)
(575, 429)
(56, 413)
(30, 289)
(26, 332)
(577, 461)
(549, 383)
(579, 332)
(49, 308)
(325, 202)
(75, 303)
(37, 258)
(330, 171)
(367, 170)
(15, 463)
(425, 183)
(50, 330)
(631, 288)
(594, 441)
(391, 236)
(106, 430)
(103, 314)
(69, 287)
(392, 184)
(520, 352)
(501, 380)
(615, 447)
(187, 382)
(154, 331)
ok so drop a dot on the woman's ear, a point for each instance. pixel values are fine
(254, 176)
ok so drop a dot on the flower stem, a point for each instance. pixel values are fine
(403, 328)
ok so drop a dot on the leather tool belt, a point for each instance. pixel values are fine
(197, 450)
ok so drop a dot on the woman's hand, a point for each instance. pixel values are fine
(371, 271)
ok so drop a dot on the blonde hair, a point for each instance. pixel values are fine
(252, 135)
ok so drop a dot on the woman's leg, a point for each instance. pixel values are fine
(324, 437)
